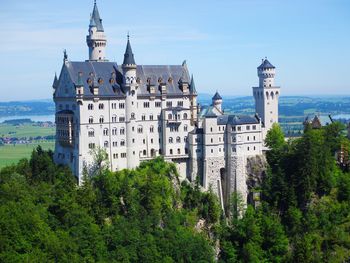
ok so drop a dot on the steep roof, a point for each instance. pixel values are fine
(237, 119)
(192, 86)
(97, 19)
(217, 96)
(266, 64)
(128, 56)
(146, 74)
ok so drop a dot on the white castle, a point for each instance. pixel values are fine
(137, 112)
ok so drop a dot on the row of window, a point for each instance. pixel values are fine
(74, 107)
(178, 139)
(247, 127)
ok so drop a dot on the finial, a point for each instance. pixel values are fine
(128, 35)
(65, 56)
(94, 2)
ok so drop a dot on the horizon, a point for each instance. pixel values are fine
(222, 42)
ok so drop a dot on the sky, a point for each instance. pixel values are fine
(223, 42)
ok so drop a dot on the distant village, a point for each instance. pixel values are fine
(11, 137)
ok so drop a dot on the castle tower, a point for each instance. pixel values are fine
(96, 39)
(193, 99)
(217, 101)
(130, 88)
(266, 95)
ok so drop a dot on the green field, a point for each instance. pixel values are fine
(10, 154)
(25, 130)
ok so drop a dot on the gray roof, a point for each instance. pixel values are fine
(129, 56)
(96, 17)
(192, 86)
(323, 119)
(266, 64)
(217, 96)
(55, 82)
(207, 112)
(237, 119)
(169, 74)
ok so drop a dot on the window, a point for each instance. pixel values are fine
(143, 117)
(178, 151)
(121, 105)
(144, 152)
(248, 148)
(91, 133)
(132, 116)
(178, 139)
(115, 144)
(233, 128)
(105, 131)
(139, 129)
(170, 139)
(91, 146)
(105, 144)
(170, 116)
(151, 129)
(114, 131)
(254, 127)
(151, 141)
(169, 104)
(239, 128)
(211, 140)
(180, 103)
(122, 119)
(90, 106)
(123, 155)
(91, 120)
(185, 128)
(211, 129)
(247, 138)
(146, 104)
(254, 138)
(114, 118)
(101, 119)
(115, 156)
(158, 104)
(185, 139)
(151, 117)
(101, 106)
(247, 127)
(122, 131)
(122, 143)
(185, 116)
(171, 151)
(114, 105)
(211, 150)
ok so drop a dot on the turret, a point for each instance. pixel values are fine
(193, 99)
(129, 64)
(266, 95)
(96, 39)
(217, 101)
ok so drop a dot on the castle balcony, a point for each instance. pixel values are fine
(173, 121)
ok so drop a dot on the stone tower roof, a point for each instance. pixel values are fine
(96, 18)
(128, 56)
(192, 86)
(217, 96)
(266, 64)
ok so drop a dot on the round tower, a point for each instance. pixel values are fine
(96, 39)
(266, 74)
(217, 101)
(130, 87)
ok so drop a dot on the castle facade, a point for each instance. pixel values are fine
(137, 112)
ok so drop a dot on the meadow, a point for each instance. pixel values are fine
(11, 154)
(25, 130)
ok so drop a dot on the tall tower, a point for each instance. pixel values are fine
(130, 87)
(217, 101)
(96, 39)
(266, 96)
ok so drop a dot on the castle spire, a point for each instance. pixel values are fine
(192, 86)
(97, 19)
(128, 56)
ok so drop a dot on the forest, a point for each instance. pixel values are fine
(147, 215)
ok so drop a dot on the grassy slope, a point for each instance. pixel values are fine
(10, 154)
(27, 130)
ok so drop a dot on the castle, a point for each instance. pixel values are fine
(137, 112)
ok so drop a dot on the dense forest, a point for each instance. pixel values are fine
(147, 215)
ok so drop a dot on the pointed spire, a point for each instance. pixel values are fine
(217, 96)
(128, 56)
(55, 82)
(96, 17)
(192, 86)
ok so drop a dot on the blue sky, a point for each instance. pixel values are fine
(223, 42)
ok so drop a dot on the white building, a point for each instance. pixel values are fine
(138, 112)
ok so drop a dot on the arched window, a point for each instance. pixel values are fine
(170, 139)
(122, 131)
(114, 131)
(90, 106)
(105, 144)
(171, 151)
(185, 116)
(178, 151)
(122, 143)
(139, 129)
(101, 106)
(178, 139)
(101, 119)
(91, 133)
(272, 95)
(114, 118)
(170, 116)
(267, 95)
(132, 115)
(144, 152)
(105, 131)
(185, 128)
(91, 119)
(151, 129)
